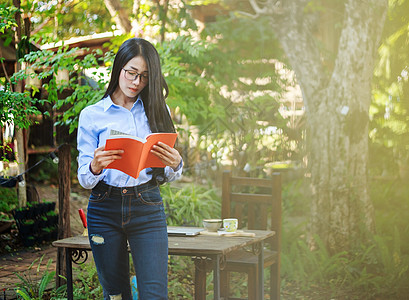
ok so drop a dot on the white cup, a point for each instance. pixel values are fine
(230, 225)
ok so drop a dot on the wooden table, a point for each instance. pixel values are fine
(204, 249)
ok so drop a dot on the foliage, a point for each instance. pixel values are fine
(391, 204)
(181, 274)
(16, 108)
(377, 268)
(389, 132)
(45, 172)
(85, 90)
(35, 288)
(295, 193)
(243, 67)
(190, 204)
(188, 90)
(51, 22)
(369, 271)
(87, 285)
(7, 21)
(8, 202)
(226, 86)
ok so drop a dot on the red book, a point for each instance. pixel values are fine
(137, 155)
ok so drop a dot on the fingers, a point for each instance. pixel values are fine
(168, 155)
(103, 158)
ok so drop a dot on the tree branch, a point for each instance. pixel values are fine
(119, 14)
(259, 11)
(270, 8)
(39, 27)
(5, 70)
(46, 20)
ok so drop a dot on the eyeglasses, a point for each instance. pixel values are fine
(133, 75)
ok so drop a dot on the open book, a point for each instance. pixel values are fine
(137, 155)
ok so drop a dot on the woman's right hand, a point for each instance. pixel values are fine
(103, 158)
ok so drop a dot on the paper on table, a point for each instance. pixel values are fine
(223, 233)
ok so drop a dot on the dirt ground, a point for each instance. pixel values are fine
(14, 257)
(78, 199)
(10, 241)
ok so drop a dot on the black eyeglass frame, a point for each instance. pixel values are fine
(143, 78)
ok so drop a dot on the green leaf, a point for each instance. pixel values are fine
(23, 294)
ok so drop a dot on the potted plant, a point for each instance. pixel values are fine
(54, 233)
(42, 221)
(26, 227)
(29, 241)
(20, 213)
(52, 218)
(41, 208)
(46, 234)
(49, 206)
(30, 211)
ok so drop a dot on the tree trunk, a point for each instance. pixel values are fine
(337, 100)
(339, 129)
(119, 14)
(22, 192)
(20, 157)
(64, 223)
(163, 7)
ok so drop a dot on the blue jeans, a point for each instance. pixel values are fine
(134, 214)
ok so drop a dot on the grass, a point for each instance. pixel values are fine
(373, 269)
(33, 285)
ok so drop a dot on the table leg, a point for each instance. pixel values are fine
(68, 264)
(261, 271)
(200, 278)
(216, 277)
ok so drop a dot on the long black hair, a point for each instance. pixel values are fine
(156, 91)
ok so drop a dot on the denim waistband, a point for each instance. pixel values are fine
(102, 187)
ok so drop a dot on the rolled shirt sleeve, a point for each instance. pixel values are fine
(87, 138)
(172, 175)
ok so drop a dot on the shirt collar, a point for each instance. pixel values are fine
(108, 102)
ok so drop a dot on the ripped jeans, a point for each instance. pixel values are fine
(134, 214)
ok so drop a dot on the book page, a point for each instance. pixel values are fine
(117, 134)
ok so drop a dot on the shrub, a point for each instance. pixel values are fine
(87, 285)
(190, 204)
(8, 202)
(376, 268)
(34, 287)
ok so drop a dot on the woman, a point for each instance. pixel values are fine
(122, 208)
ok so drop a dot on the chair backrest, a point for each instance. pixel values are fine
(254, 200)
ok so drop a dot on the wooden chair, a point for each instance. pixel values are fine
(257, 201)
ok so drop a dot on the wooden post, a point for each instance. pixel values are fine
(20, 157)
(19, 141)
(64, 227)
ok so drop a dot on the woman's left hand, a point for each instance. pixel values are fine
(168, 155)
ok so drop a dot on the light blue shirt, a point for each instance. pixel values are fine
(94, 127)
